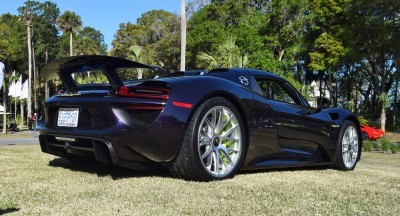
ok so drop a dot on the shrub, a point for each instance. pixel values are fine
(377, 146)
(394, 148)
(386, 144)
(362, 120)
(367, 146)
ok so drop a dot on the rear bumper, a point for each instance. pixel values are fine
(134, 148)
(91, 148)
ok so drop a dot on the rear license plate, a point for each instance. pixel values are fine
(68, 117)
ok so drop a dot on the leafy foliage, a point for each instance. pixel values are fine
(394, 148)
(90, 41)
(367, 146)
(228, 55)
(69, 22)
(157, 32)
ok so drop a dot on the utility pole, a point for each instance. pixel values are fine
(183, 35)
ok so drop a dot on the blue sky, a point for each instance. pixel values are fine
(103, 15)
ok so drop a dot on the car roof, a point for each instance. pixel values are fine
(250, 71)
(256, 72)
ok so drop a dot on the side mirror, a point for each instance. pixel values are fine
(323, 102)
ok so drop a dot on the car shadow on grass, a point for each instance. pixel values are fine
(8, 210)
(100, 169)
(117, 172)
(286, 169)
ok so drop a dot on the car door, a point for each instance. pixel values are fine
(298, 128)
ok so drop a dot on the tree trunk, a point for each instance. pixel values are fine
(183, 35)
(34, 80)
(46, 84)
(140, 73)
(383, 119)
(30, 70)
(22, 113)
(396, 89)
(281, 53)
(71, 53)
(5, 110)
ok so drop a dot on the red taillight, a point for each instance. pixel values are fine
(143, 92)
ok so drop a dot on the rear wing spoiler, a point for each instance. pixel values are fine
(64, 67)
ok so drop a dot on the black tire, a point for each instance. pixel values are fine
(339, 162)
(16, 129)
(189, 165)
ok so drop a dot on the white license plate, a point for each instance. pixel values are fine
(68, 117)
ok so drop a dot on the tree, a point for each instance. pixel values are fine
(90, 41)
(70, 23)
(4, 43)
(326, 57)
(42, 35)
(136, 55)
(228, 55)
(157, 32)
(45, 38)
(215, 23)
(45, 32)
(12, 50)
(384, 101)
(374, 33)
(27, 13)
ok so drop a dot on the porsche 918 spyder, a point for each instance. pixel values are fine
(202, 126)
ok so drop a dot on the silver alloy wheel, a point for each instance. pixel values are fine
(219, 141)
(350, 147)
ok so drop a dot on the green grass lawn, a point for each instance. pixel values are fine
(35, 183)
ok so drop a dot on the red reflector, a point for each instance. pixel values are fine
(183, 105)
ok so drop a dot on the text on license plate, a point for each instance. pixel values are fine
(68, 117)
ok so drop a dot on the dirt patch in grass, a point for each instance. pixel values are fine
(35, 183)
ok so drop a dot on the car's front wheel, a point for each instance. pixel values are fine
(214, 144)
(348, 147)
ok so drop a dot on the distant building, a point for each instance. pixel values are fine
(316, 92)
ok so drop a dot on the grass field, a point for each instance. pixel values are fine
(35, 183)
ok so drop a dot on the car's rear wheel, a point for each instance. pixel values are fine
(348, 147)
(214, 144)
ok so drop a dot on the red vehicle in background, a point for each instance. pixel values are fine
(371, 133)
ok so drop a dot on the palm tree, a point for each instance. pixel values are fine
(227, 55)
(384, 99)
(183, 35)
(69, 22)
(136, 55)
(27, 16)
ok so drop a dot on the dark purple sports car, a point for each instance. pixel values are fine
(200, 125)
